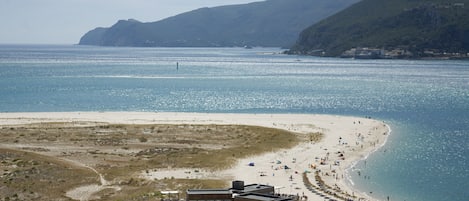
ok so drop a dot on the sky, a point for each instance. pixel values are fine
(65, 21)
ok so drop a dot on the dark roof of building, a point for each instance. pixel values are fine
(255, 187)
(209, 191)
(250, 189)
(263, 197)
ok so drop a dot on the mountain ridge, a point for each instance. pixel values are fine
(410, 28)
(272, 23)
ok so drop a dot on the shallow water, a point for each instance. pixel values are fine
(425, 102)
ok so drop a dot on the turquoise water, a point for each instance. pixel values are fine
(425, 102)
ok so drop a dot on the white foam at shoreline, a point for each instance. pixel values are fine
(352, 168)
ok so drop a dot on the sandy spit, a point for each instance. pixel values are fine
(346, 140)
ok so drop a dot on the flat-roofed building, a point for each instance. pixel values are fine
(209, 194)
(257, 188)
(238, 192)
(259, 197)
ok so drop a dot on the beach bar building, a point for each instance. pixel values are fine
(209, 194)
(260, 197)
(238, 192)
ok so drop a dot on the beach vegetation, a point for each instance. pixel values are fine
(315, 137)
(142, 139)
(58, 157)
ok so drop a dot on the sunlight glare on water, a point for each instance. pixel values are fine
(425, 102)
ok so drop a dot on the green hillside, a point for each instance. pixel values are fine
(421, 27)
(271, 23)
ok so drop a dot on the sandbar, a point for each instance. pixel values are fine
(316, 170)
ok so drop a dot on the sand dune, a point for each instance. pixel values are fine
(346, 140)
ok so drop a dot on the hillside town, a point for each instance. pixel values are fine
(400, 53)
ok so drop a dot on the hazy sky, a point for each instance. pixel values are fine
(65, 21)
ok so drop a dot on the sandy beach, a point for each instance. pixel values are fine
(315, 170)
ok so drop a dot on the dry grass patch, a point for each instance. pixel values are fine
(120, 152)
(29, 176)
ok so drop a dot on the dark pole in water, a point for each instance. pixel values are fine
(177, 66)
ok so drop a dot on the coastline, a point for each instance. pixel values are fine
(351, 169)
(346, 141)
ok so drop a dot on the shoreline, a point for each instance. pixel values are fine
(346, 141)
(350, 169)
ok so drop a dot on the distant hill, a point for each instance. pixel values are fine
(271, 23)
(422, 27)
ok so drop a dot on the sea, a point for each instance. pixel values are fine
(425, 102)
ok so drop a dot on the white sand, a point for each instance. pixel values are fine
(354, 137)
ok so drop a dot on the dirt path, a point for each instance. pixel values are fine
(87, 192)
(81, 193)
